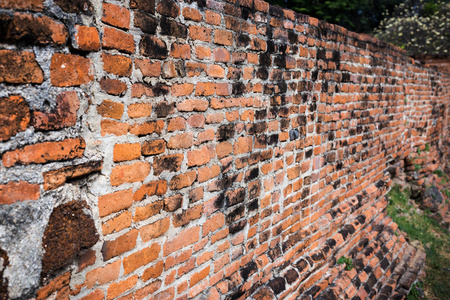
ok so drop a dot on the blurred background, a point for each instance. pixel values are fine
(420, 27)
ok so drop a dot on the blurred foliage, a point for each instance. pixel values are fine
(418, 26)
(356, 15)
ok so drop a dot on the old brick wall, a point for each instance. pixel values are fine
(204, 149)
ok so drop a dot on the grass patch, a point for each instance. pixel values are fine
(435, 239)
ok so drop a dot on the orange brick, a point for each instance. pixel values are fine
(129, 173)
(221, 55)
(117, 64)
(192, 14)
(196, 121)
(113, 127)
(185, 238)
(35, 5)
(186, 216)
(118, 223)
(117, 288)
(182, 89)
(124, 152)
(153, 272)
(116, 15)
(102, 275)
(243, 145)
(45, 152)
(95, 295)
(200, 33)
(213, 223)
(223, 37)
(197, 277)
(207, 173)
(216, 71)
(147, 211)
(158, 187)
(223, 149)
(212, 17)
(182, 51)
(148, 67)
(200, 157)
(202, 52)
(149, 289)
(193, 105)
(204, 89)
(87, 38)
(123, 243)
(141, 258)
(110, 109)
(176, 124)
(182, 181)
(180, 141)
(115, 202)
(70, 70)
(154, 230)
(139, 110)
(117, 39)
(19, 67)
(18, 191)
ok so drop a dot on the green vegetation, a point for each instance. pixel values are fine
(347, 261)
(442, 175)
(435, 240)
(414, 294)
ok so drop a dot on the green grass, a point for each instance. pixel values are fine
(434, 238)
(347, 261)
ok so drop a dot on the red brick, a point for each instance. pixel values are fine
(64, 115)
(205, 89)
(153, 47)
(203, 52)
(173, 203)
(124, 152)
(14, 116)
(176, 124)
(242, 145)
(19, 67)
(182, 89)
(213, 223)
(122, 244)
(153, 272)
(223, 37)
(139, 110)
(87, 38)
(223, 149)
(45, 152)
(113, 86)
(197, 277)
(111, 109)
(185, 238)
(216, 71)
(116, 15)
(102, 275)
(153, 147)
(158, 188)
(95, 295)
(117, 288)
(171, 163)
(154, 230)
(36, 5)
(55, 285)
(148, 67)
(221, 55)
(182, 181)
(147, 128)
(129, 173)
(200, 33)
(168, 9)
(141, 258)
(117, 39)
(18, 191)
(117, 64)
(114, 202)
(149, 289)
(188, 215)
(192, 14)
(182, 51)
(212, 18)
(193, 105)
(56, 178)
(70, 70)
(196, 121)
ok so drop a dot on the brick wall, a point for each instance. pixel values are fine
(203, 149)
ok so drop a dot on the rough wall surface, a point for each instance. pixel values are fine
(204, 149)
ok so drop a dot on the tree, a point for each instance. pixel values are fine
(419, 26)
(356, 15)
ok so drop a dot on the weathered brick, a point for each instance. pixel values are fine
(117, 64)
(173, 203)
(181, 141)
(36, 5)
(153, 47)
(146, 23)
(117, 288)
(148, 67)
(147, 211)
(117, 39)
(129, 173)
(200, 33)
(192, 14)
(168, 8)
(154, 230)
(158, 188)
(182, 51)
(18, 191)
(45, 152)
(171, 163)
(113, 86)
(56, 178)
(153, 147)
(212, 18)
(70, 70)
(200, 157)
(87, 38)
(14, 116)
(144, 5)
(182, 181)
(154, 271)
(185, 238)
(223, 37)
(75, 6)
(26, 28)
(64, 115)
(118, 223)
(183, 89)
(116, 15)
(102, 275)
(193, 105)
(19, 67)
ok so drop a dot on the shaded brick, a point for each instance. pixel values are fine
(14, 116)
(19, 67)
(70, 70)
